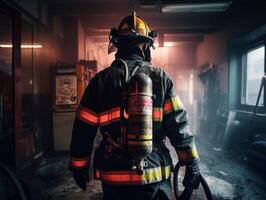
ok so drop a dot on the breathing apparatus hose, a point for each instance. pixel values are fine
(187, 193)
(122, 109)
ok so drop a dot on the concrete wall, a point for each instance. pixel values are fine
(215, 47)
(70, 43)
(244, 18)
(175, 59)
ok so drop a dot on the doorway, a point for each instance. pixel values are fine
(7, 136)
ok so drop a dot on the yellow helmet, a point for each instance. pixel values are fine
(132, 28)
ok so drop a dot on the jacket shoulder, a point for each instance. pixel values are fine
(102, 72)
(157, 72)
(109, 71)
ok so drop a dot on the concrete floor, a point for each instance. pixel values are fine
(229, 177)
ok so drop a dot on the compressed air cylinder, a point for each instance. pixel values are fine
(139, 132)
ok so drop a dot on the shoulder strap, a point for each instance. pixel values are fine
(122, 64)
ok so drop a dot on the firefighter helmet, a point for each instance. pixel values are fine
(134, 29)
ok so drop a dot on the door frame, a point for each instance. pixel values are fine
(15, 15)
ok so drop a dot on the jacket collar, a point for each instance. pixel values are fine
(133, 53)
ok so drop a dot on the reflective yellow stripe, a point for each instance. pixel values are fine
(142, 136)
(129, 177)
(172, 104)
(130, 142)
(194, 153)
(177, 103)
(188, 155)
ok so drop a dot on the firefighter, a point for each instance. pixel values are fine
(109, 105)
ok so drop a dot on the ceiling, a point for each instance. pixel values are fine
(98, 16)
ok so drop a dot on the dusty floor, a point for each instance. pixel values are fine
(229, 177)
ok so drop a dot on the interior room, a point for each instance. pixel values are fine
(212, 50)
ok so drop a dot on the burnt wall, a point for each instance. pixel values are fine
(242, 18)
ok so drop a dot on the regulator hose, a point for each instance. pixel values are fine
(187, 193)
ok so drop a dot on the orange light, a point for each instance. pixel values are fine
(24, 46)
(165, 44)
(34, 46)
(168, 44)
(5, 45)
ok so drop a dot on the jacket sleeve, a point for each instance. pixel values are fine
(84, 129)
(175, 123)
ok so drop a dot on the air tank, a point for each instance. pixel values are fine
(140, 109)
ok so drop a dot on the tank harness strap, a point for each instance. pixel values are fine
(122, 63)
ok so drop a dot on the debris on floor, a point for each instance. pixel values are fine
(228, 178)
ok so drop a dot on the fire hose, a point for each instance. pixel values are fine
(5, 171)
(187, 193)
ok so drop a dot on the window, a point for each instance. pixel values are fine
(247, 66)
(252, 73)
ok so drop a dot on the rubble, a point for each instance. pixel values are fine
(228, 178)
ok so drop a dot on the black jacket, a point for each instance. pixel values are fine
(100, 108)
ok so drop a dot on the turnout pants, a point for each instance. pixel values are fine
(155, 191)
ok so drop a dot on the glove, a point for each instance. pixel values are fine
(192, 175)
(81, 178)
